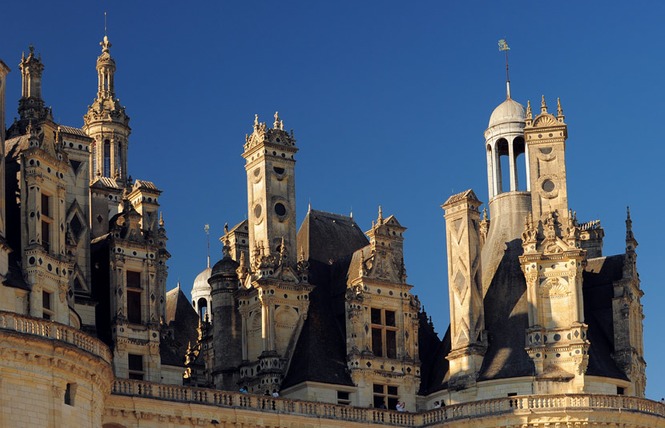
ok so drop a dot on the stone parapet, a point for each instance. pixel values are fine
(55, 331)
(200, 404)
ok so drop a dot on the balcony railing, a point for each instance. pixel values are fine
(476, 409)
(52, 330)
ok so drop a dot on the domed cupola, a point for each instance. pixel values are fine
(505, 137)
(201, 293)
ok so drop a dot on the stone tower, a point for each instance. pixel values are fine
(275, 295)
(108, 124)
(467, 315)
(226, 323)
(628, 315)
(508, 202)
(382, 319)
(271, 190)
(4, 248)
(129, 239)
(553, 261)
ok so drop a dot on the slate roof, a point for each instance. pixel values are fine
(73, 131)
(182, 320)
(506, 320)
(328, 241)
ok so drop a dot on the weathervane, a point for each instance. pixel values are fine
(503, 47)
(207, 231)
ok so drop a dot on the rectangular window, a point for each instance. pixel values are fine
(46, 221)
(134, 297)
(46, 206)
(135, 363)
(133, 279)
(385, 396)
(70, 392)
(343, 398)
(47, 302)
(384, 333)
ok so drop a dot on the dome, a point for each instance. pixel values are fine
(508, 111)
(201, 281)
(226, 265)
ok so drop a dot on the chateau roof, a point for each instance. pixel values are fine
(105, 182)
(328, 241)
(506, 320)
(73, 131)
(182, 320)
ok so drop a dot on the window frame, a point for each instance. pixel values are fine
(383, 332)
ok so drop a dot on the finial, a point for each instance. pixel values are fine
(256, 121)
(351, 213)
(309, 206)
(503, 47)
(484, 214)
(105, 44)
(226, 228)
(529, 115)
(31, 48)
(206, 228)
(379, 219)
(559, 109)
(543, 105)
(161, 219)
(276, 123)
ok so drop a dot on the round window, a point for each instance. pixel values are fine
(280, 209)
(548, 185)
(257, 210)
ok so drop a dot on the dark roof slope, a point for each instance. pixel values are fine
(598, 290)
(182, 320)
(506, 320)
(328, 241)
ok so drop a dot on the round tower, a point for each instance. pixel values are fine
(509, 204)
(227, 323)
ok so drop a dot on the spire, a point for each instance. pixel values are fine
(631, 242)
(31, 105)
(543, 105)
(105, 71)
(529, 114)
(503, 47)
(379, 219)
(559, 110)
(206, 228)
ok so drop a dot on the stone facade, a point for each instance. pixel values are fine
(316, 326)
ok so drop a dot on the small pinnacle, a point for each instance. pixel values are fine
(379, 220)
(543, 105)
(529, 115)
(559, 109)
(256, 121)
(276, 124)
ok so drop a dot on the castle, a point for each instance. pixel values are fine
(308, 326)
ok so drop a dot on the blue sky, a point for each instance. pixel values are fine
(388, 101)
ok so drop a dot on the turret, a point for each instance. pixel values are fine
(108, 125)
(31, 105)
(107, 122)
(226, 324)
(270, 166)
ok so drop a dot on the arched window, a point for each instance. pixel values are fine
(202, 308)
(107, 159)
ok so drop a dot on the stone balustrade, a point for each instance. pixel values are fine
(530, 404)
(52, 330)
